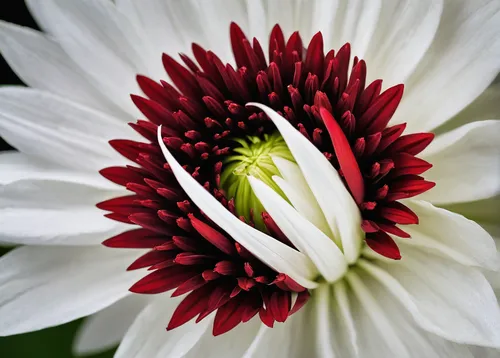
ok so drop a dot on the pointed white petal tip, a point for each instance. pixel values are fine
(310, 240)
(337, 204)
(275, 254)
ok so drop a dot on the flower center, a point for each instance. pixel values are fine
(253, 157)
(325, 98)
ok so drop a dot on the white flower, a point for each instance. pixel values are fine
(352, 292)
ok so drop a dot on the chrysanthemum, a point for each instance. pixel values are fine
(273, 196)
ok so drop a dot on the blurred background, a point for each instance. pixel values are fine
(53, 342)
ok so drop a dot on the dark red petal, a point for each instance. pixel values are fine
(383, 244)
(163, 280)
(345, 156)
(411, 143)
(148, 259)
(213, 236)
(381, 111)
(405, 163)
(192, 305)
(227, 317)
(315, 56)
(135, 239)
(301, 300)
(398, 213)
(181, 77)
(193, 283)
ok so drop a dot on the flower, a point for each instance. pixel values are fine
(266, 194)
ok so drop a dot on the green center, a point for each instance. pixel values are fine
(253, 157)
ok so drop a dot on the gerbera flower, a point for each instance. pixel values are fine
(290, 201)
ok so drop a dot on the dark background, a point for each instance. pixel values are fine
(53, 342)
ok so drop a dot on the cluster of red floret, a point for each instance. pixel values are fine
(328, 103)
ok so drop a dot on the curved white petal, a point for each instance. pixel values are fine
(296, 189)
(385, 329)
(147, 337)
(228, 345)
(279, 256)
(292, 339)
(105, 329)
(55, 129)
(46, 286)
(346, 331)
(41, 63)
(484, 212)
(404, 32)
(19, 166)
(310, 240)
(103, 43)
(355, 22)
(456, 69)
(451, 235)
(339, 208)
(52, 212)
(484, 107)
(466, 164)
(445, 298)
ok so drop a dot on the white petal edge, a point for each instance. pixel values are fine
(58, 130)
(44, 286)
(404, 33)
(451, 70)
(41, 63)
(451, 235)
(445, 298)
(148, 338)
(54, 212)
(280, 257)
(295, 187)
(106, 328)
(310, 240)
(16, 166)
(339, 208)
(466, 164)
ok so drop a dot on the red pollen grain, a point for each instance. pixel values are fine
(325, 98)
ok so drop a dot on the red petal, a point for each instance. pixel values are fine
(315, 56)
(213, 236)
(411, 143)
(405, 163)
(135, 239)
(191, 306)
(181, 77)
(381, 111)
(149, 259)
(345, 156)
(398, 213)
(163, 280)
(383, 244)
(190, 285)
(227, 317)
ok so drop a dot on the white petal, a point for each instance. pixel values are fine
(296, 189)
(19, 166)
(445, 298)
(346, 321)
(292, 339)
(228, 345)
(58, 130)
(455, 69)
(147, 337)
(355, 23)
(105, 329)
(325, 326)
(484, 212)
(280, 257)
(46, 286)
(387, 334)
(50, 212)
(404, 32)
(339, 208)
(466, 164)
(451, 235)
(484, 107)
(41, 63)
(102, 42)
(304, 235)
(377, 313)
